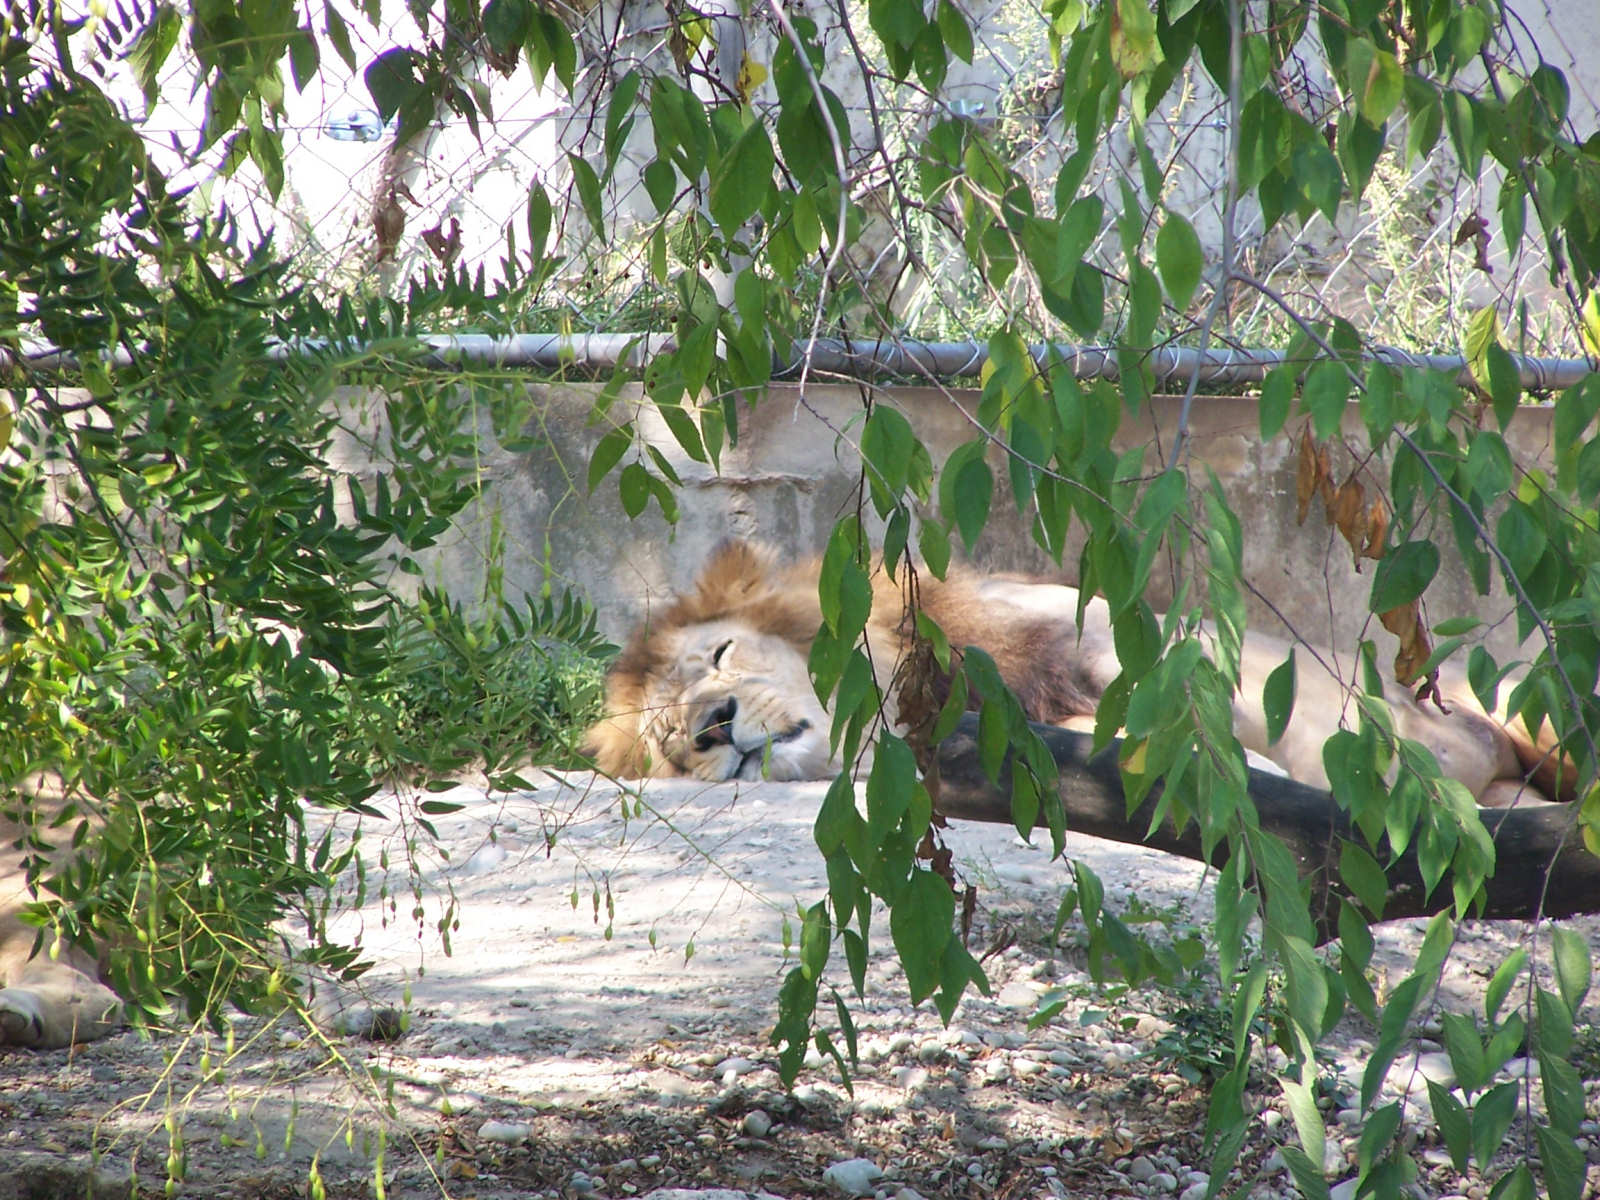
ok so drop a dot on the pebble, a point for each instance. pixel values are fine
(1164, 1181)
(1195, 1191)
(485, 859)
(1437, 1068)
(582, 1183)
(756, 1123)
(1141, 1169)
(853, 1176)
(505, 1132)
(730, 1069)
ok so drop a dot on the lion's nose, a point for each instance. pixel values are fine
(717, 727)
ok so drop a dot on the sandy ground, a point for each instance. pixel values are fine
(595, 1021)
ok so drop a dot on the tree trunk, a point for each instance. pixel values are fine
(1542, 867)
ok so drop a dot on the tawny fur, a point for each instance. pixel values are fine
(1058, 665)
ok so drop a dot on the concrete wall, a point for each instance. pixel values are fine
(794, 473)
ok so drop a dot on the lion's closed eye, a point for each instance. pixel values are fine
(720, 651)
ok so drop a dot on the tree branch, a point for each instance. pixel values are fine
(1533, 845)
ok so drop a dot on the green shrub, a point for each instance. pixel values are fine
(493, 689)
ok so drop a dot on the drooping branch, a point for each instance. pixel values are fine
(1540, 859)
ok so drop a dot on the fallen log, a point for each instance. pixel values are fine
(1542, 867)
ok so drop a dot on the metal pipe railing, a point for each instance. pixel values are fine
(904, 357)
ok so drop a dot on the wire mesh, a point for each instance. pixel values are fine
(360, 211)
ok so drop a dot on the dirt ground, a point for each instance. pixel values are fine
(596, 1023)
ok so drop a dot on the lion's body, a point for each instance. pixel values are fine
(54, 997)
(716, 686)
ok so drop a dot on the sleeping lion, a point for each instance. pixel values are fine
(716, 687)
(52, 998)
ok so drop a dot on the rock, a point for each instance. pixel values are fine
(485, 859)
(1343, 1191)
(1437, 1069)
(1019, 993)
(33, 1173)
(1164, 1181)
(505, 1132)
(756, 1123)
(582, 1184)
(730, 1069)
(1141, 1169)
(853, 1176)
(1195, 1191)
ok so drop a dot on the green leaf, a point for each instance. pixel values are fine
(150, 49)
(1569, 953)
(1364, 877)
(392, 81)
(588, 185)
(966, 486)
(1505, 975)
(1563, 1093)
(1491, 1117)
(1326, 390)
(956, 32)
(1179, 259)
(888, 449)
(1455, 1125)
(1383, 88)
(1277, 393)
(1466, 1050)
(742, 180)
(1561, 1162)
(1308, 1125)
(608, 453)
(1134, 47)
(1403, 575)
(506, 24)
(920, 924)
(1277, 697)
(634, 488)
(661, 184)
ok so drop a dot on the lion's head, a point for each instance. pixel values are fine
(716, 687)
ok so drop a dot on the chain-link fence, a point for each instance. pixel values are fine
(360, 209)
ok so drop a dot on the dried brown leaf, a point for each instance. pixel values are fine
(1306, 476)
(1377, 529)
(1324, 477)
(1349, 513)
(388, 224)
(445, 246)
(1406, 624)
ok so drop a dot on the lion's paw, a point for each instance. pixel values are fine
(55, 1013)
